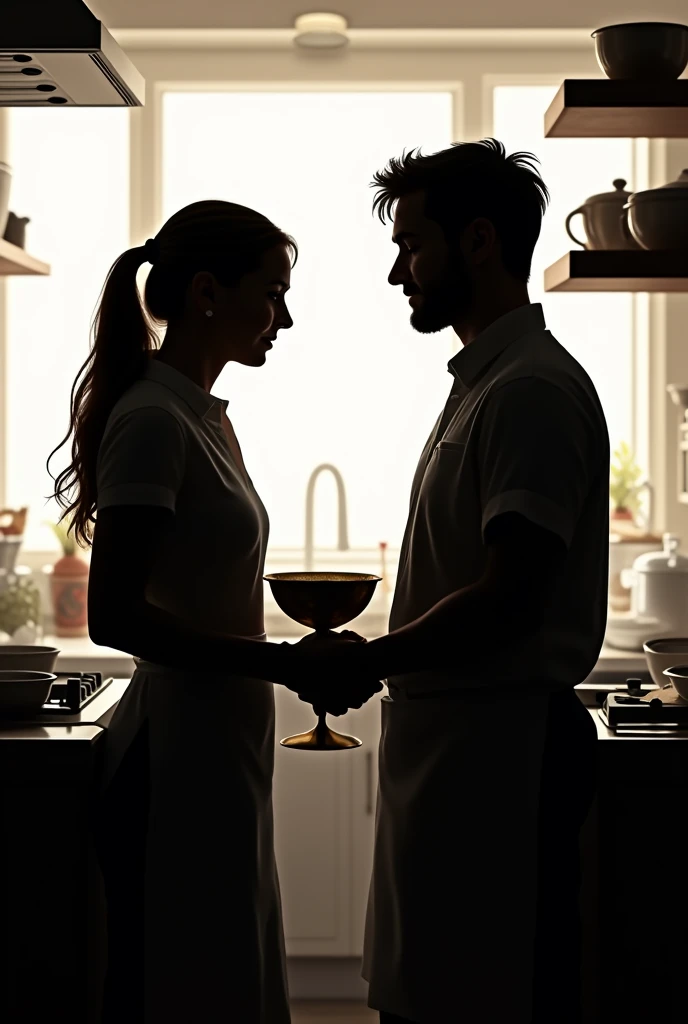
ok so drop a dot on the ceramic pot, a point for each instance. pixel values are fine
(5, 182)
(604, 220)
(648, 51)
(658, 217)
(69, 591)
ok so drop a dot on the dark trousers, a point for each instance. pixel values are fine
(569, 778)
(120, 824)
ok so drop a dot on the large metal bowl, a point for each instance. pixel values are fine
(649, 51)
(322, 600)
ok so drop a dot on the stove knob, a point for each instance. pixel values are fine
(74, 693)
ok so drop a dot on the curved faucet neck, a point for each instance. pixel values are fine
(342, 525)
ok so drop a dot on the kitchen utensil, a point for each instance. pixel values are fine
(650, 51)
(659, 582)
(658, 217)
(323, 601)
(15, 232)
(664, 654)
(604, 220)
(679, 678)
(24, 692)
(5, 182)
(629, 633)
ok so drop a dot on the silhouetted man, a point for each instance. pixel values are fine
(487, 755)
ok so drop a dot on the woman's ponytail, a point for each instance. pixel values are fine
(123, 338)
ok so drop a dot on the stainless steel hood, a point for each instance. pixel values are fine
(57, 53)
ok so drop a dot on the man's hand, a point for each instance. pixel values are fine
(328, 670)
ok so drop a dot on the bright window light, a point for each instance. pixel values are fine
(351, 383)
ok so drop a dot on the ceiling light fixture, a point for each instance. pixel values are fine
(321, 31)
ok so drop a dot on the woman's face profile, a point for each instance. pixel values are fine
(247, 316)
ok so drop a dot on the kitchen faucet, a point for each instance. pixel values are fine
(342, 531)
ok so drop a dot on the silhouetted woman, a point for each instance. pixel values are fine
(184, 822)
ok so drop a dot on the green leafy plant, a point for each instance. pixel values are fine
(624, 482)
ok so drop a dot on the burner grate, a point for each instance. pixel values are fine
(73, 691)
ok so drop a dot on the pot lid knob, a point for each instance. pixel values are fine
(619, 184)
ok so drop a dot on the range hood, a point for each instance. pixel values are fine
(57, 53)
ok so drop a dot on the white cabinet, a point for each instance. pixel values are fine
(324, 807)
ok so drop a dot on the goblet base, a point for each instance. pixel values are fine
(321, 738)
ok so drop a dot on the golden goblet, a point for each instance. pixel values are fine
(323, 601)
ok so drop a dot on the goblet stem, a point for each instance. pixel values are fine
(321, 728)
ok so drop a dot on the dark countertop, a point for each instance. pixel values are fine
(89, 724)
(86, 726)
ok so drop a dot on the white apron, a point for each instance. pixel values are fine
(214, 946)
(451, 915)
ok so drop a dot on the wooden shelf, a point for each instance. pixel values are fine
(14, 260)
(628, 271)
(601, 108)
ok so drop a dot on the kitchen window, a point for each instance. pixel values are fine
(351, 383)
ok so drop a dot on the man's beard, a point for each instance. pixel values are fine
(445, 302)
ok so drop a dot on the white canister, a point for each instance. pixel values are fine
(623, 551)
(659, 588)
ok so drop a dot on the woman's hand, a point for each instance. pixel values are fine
(329, 671)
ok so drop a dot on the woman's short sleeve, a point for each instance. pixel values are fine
(142, 460)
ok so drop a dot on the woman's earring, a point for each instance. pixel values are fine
(208, 312)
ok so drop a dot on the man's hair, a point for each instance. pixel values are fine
(469, 180)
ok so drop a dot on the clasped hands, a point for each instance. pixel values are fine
(330, 672)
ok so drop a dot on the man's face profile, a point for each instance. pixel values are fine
(432, 276)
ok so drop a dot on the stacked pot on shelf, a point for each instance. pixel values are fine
(655, 218)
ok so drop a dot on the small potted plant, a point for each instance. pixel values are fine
(630, 532)
(625, 487)
(69, 584)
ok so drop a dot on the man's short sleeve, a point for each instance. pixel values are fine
(141, 460)
(535, 455)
